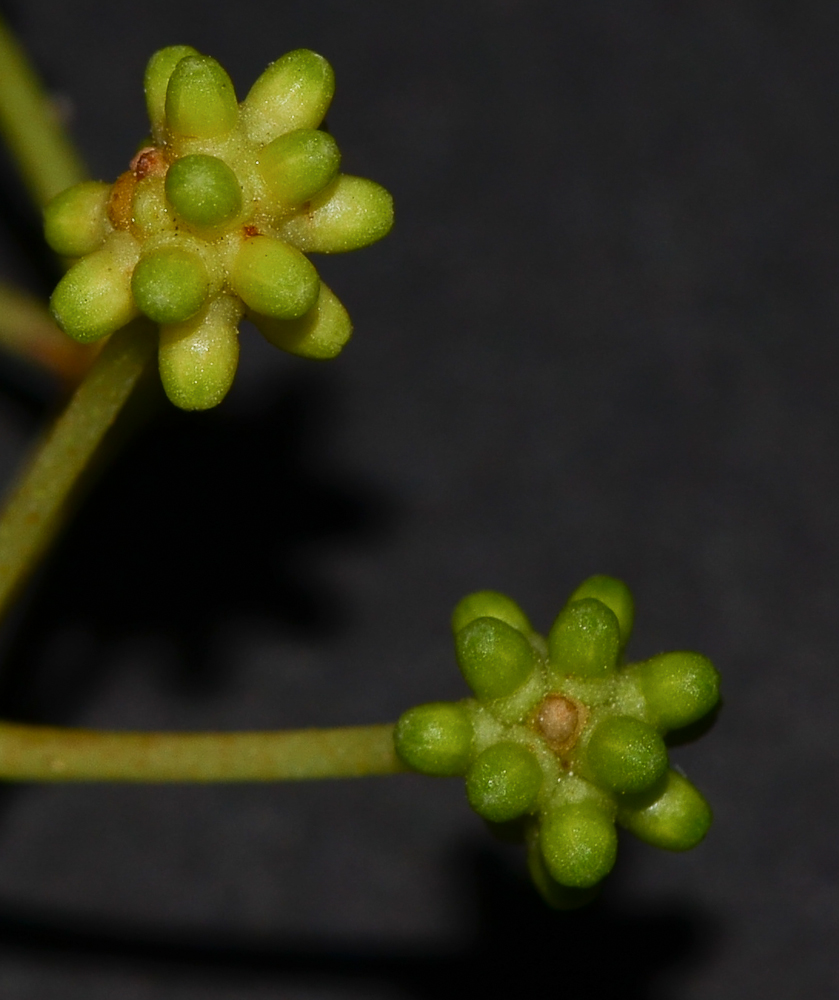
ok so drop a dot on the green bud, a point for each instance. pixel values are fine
(495, 658)
(198, 358)
(76, 221)
(351, 213)
(677, 819)
(158, 73)
(559, 897)
(200, 99)
(615, 595)
(625, 755)
(679, 687)
(320, 334)
(504, 782)
(435, 738)
(294, 92)
(489, 604)
(151, 213)
(584, 640)
(203, 189)
(299, 164)
(579, 844)
(170, 284)
(94, 297)
(274, 278)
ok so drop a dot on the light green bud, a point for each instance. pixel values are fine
(495, 658)
(294, 92)
(200, 99)
(198, 358)
(489, 604)
(94, 297)
(558, 897)
(625, 755)
(579, 844)
(320, 334)
(76, 221)
(677, 819)
(151, 213)
(504, 782)
(158, 73)
(203, 189)
(298, 165)
(435, 738)
(351, 213)
(274, 278)
(615, 595)
(170, 284)
(584, 641)
(679, 688)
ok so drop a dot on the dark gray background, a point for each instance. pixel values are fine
(601, 338)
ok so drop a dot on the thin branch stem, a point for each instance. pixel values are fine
(45, 154)
(36, 508)
(29, 332)
(46, 753)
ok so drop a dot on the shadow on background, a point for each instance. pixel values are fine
(518, 947)
(201, 518)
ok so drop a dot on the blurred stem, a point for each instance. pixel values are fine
(45, 753)
(46, 157)
(28, 331)
(37, 505)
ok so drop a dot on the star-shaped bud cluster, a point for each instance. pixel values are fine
(213, 221)
(563, 740)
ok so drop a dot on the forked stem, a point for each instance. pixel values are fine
(35, 510)
(45, 753)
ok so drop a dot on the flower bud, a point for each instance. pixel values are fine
(435, 738)
(94, 297)
(625, 755)
(578, 843)
(294, 92)
(158, 73)
(351, 213)
(504, 782)
(584, 641)
(274, 278)
(677, 819)
(200, 99)
(203, 189)
(615, 595)
(679, 688)
(76, 221)
(320, 334)
(489, 604)
(198, 358)
(495, 658)
(170, 284)
(298, 165)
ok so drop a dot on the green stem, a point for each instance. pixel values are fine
(45, 154)
(46, 753)
(36, 508)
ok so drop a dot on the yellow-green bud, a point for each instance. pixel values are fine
(435, 738)
(94, 297)
(298, 165)
(294, 92)
(625, 755)
(489, 604)
(351, 213)
(203, 189)
(320, 334)
(615, 595)
(158, 73)
(504, 782)
(198, 358)
(677, 819)
(273, 278)
(495, 658)
(584, 641)
(200, 99)
(170, 284)
(76, 221)
(679, 688)
(579, 844)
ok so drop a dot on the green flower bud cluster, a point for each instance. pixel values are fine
(563, 740)
(213, 221)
